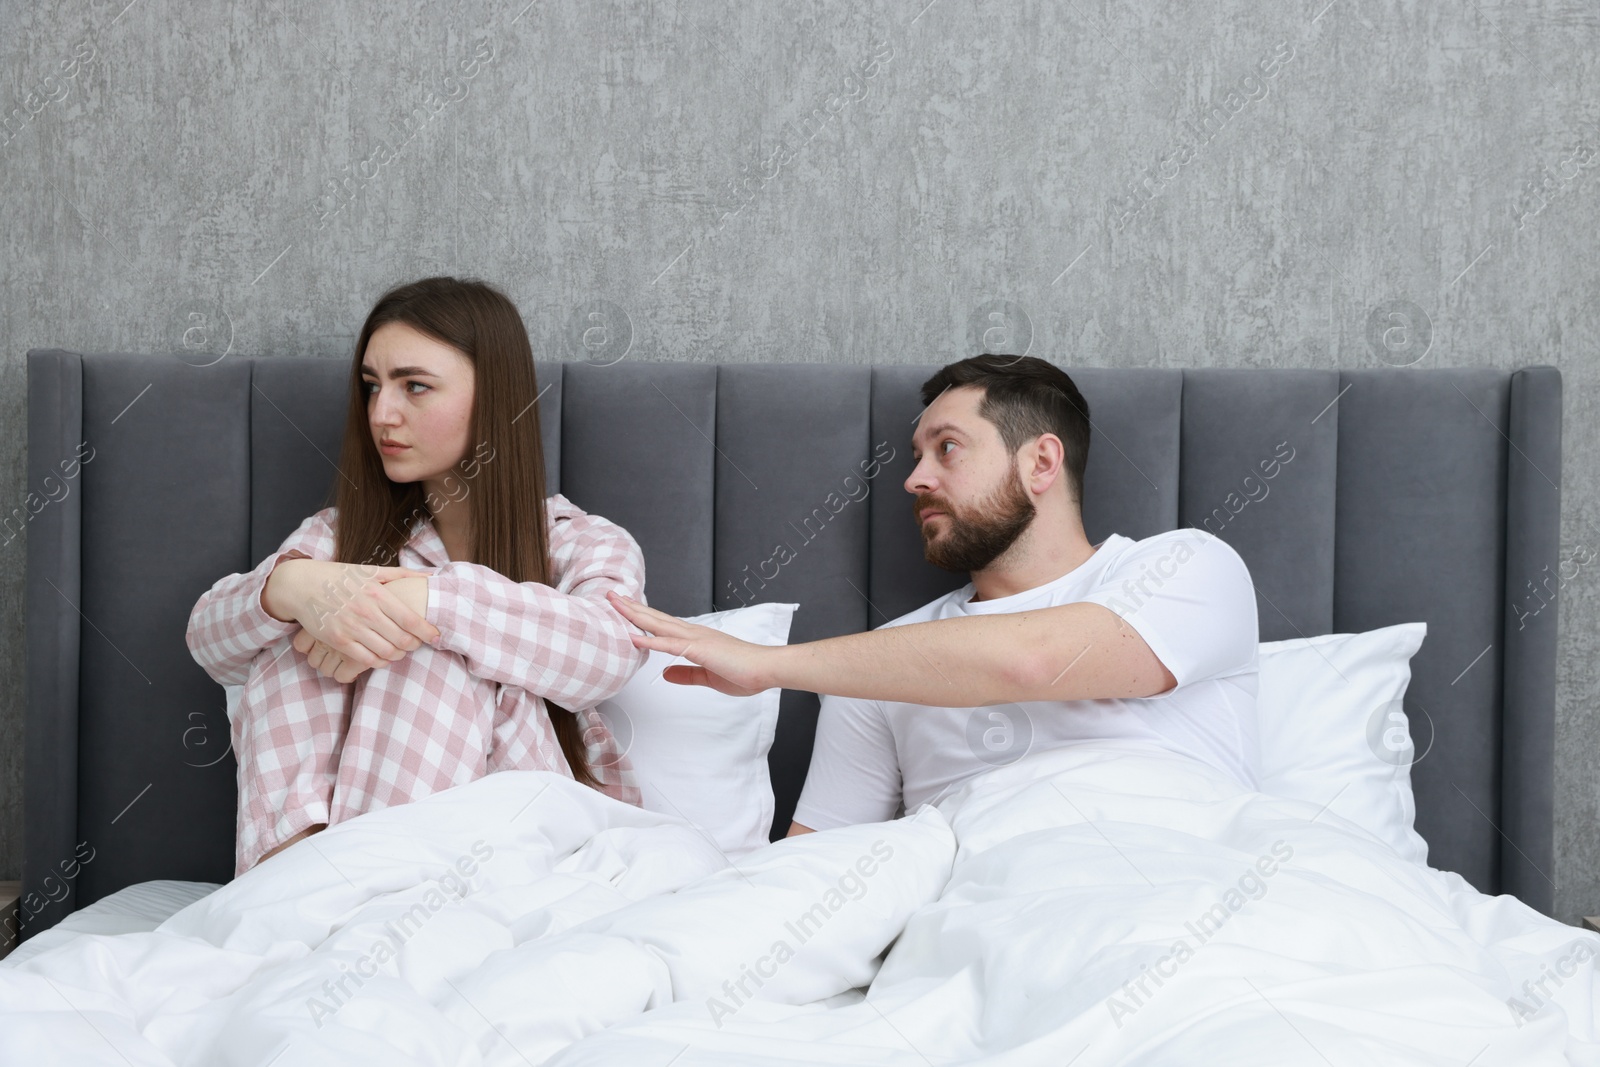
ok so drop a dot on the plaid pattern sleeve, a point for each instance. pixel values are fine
(228, 625)
(562, 641)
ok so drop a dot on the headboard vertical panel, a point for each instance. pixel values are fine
(637, 448)
(166, 510)
(297, 408)
(1533, 573)
(791, 520)
(50, 766)
(1130, 485)
(1259, 471)
(550, 377)
(1420, 536)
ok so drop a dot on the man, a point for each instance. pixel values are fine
(1053, 640)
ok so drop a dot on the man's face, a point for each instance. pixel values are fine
(970, 502)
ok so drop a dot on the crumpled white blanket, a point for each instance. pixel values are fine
(1103, 903)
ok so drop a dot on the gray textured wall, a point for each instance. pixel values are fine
(705, 180)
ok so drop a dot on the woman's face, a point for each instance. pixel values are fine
(419, 395)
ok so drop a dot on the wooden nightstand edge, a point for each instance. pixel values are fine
(10, 896)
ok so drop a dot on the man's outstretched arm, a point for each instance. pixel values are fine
(1079, 651)
(1069, 652)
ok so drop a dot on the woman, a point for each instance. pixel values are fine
(439, 621)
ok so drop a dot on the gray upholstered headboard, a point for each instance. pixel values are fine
(1410, 494)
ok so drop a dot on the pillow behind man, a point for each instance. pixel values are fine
(1334, 731)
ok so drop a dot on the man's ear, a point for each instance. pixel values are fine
(1049, 461)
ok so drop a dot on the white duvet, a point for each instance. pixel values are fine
(1103, 903)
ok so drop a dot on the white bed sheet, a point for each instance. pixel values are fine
(135, 908)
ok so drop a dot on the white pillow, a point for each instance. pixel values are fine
(701, 754)
(1333, 731)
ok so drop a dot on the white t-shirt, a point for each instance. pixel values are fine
(1190, 597)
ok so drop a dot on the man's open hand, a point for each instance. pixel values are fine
(716, 660)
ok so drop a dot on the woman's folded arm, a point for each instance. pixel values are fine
(563, 641)
(229, 625)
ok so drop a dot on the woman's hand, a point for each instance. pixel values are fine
(356, 617)
(324, 660)
(720, 662)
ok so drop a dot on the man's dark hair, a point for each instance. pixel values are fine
(1024, 396)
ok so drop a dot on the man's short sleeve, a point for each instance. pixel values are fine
(1190, 597)
(855, 771)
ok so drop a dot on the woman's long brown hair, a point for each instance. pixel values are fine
(505, 494)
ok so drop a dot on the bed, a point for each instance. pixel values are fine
(1427, 495)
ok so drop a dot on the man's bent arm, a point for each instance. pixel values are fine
(1078, 651)
(795, 830)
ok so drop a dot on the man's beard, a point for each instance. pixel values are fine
(975, 538)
